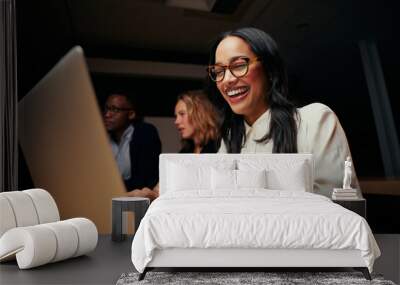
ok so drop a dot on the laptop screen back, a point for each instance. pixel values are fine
(65, 143)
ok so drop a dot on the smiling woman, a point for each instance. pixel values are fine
(261, 85)
(248, 81)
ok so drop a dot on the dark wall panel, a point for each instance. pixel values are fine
(155, 96)
(333, 74)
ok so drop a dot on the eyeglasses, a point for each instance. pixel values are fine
(115, 110)
(238, 69)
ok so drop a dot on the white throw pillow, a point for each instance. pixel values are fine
(181, 177)
(294, 178)
(281, 175)
(223, 179)
(251, 178)
(227, 179)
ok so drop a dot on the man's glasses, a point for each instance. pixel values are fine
(115, 110)
(238, 69)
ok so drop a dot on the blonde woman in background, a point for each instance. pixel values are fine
(197, 121)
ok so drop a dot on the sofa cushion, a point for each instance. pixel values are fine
(40, 244)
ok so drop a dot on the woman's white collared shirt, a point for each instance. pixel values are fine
(319, 133)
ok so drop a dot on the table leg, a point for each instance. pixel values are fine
(140, 210)
(117, 221)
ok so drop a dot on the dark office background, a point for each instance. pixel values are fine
(323, 59)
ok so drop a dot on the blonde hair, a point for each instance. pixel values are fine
(202, 114)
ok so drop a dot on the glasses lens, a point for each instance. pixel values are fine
(239, 69)
(108, 109)
(216, 73)
(113, 109)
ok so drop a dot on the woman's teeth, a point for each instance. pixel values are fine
(236, 92)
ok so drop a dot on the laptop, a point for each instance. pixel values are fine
(65, 143)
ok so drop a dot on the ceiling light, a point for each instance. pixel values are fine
(202, 5)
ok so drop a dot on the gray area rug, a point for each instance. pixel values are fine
(270, 278)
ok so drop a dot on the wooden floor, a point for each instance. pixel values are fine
(110, 259)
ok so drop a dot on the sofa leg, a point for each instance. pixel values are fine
(143, 274)
(364, 271)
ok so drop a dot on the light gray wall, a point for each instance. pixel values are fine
(169, 135)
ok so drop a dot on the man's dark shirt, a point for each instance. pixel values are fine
(144, 149)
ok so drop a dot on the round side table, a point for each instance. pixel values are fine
(137, 205)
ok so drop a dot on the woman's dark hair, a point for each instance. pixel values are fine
(283, 127)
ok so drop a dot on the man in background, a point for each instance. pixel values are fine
(135, 144)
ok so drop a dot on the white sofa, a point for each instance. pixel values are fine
(31, 230)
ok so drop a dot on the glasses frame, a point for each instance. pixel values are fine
(229, 66)
(115, 110)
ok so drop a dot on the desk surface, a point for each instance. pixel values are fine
(102, 266)
(381, 186)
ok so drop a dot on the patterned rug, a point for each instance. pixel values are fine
(243, 278)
